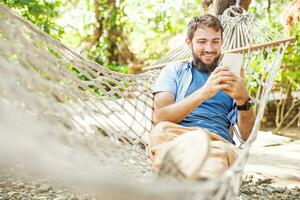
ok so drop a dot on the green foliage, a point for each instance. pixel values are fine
(290, 68)
(144, 28)
(118, 68)
(40, 12)
(290, 72)
(100, 31)
(155, 23)
(111, 38)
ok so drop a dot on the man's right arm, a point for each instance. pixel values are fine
(166, 110)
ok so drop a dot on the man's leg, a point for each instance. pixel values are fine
(162, 139)
(183, 141)
(221, 156)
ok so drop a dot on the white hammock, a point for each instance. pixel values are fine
(105, 119)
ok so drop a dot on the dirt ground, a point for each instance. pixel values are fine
(277, 157)
(293, 132)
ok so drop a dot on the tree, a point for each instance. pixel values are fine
(289, 76)
(155, 22)
(109, 43)
(40, 13)
(217, 7)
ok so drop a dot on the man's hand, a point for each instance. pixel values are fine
(216, 81)
(234, 86)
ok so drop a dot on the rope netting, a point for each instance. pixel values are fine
(241, 29)
(104, 116)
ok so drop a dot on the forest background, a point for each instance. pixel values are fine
(119, 34)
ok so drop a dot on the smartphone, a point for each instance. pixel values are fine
(233, 61)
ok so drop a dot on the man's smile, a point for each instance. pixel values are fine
(208, 57)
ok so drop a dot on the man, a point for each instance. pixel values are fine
(195, 105)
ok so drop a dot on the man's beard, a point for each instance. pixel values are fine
(198, 63)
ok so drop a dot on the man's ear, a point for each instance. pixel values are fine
(188, 42)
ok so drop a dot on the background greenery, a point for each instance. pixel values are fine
(118, 33)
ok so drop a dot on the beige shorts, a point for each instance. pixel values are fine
(221, 156)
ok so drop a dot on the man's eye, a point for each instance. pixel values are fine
(201, 42)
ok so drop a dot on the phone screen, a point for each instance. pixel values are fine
(233, 61)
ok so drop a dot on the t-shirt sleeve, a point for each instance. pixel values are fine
(166, 81)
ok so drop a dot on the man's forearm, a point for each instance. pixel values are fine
(176, 112)
(245, 122)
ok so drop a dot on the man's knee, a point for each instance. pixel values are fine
(224, 150)
(158, 133)
(162, 126)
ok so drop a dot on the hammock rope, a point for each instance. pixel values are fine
(109, 114)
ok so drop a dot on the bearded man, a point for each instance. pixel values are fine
(195, 105)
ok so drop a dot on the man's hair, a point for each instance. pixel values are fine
(205, 20)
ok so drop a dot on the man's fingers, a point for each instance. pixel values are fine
(225, 73)
(221, 79)
(225, 87)
(229, 82)
(218, 69)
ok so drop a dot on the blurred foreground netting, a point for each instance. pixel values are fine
(68, 118)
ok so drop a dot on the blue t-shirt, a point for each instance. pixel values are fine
(212, 113)
(216, 114)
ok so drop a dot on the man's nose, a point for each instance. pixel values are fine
(208, 47)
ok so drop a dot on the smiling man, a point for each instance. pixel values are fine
(195, 104)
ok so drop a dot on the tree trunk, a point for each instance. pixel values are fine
(217, 7)
(109, 36)
(98, 30)
(291, 16)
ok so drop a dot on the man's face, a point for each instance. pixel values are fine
(206, 48)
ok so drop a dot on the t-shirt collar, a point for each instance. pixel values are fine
(188, 65)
